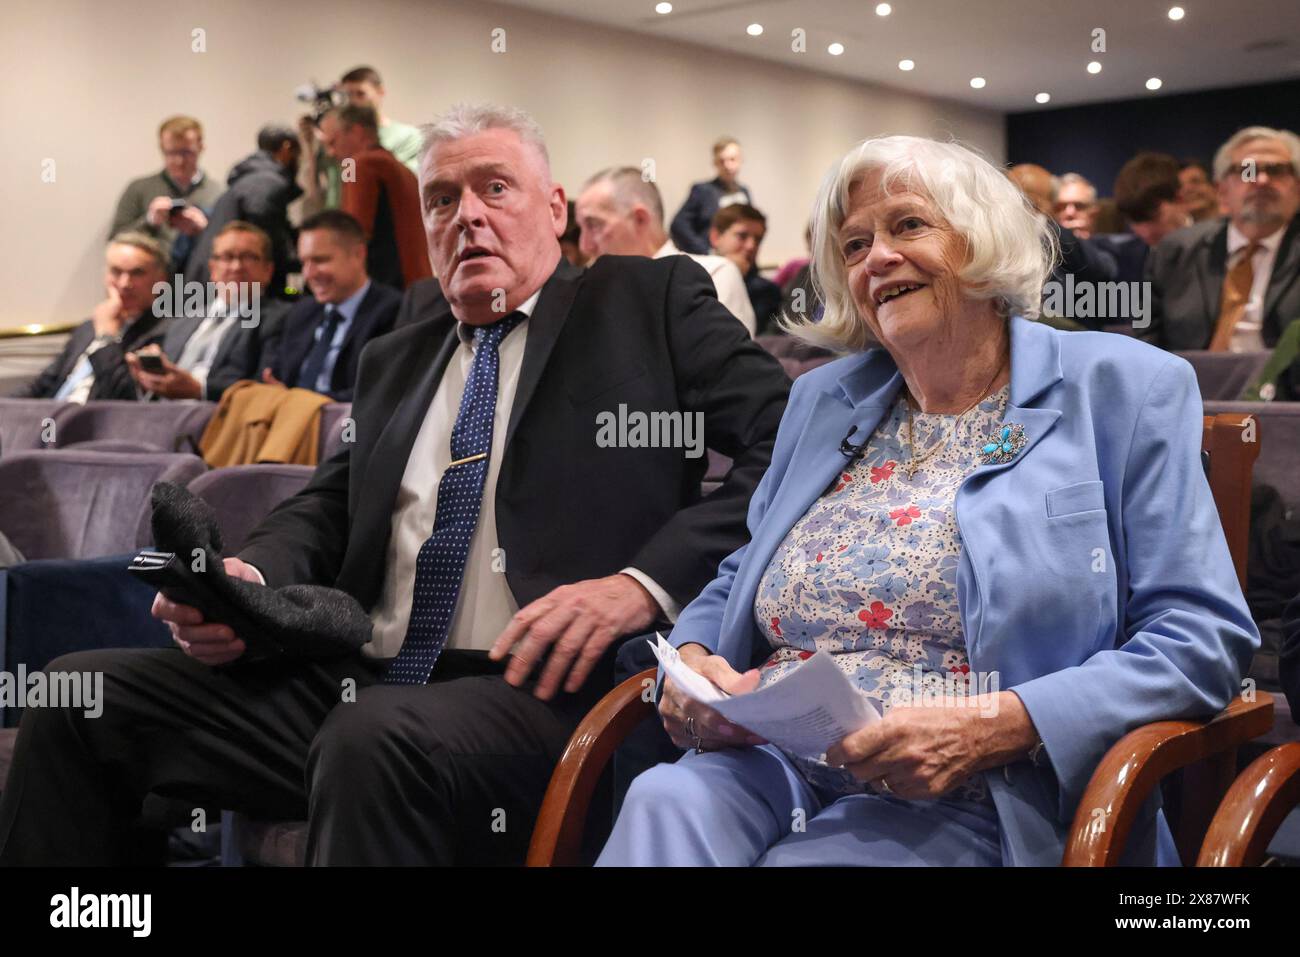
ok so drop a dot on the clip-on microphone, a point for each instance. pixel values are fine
(850, 451)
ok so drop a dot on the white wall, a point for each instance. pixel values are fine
(87, 81)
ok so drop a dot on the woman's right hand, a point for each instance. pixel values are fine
(712, 729)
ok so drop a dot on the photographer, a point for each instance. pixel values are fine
(171, 205)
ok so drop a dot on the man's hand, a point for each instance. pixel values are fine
(211, 644)
(107, 318)
(580, 620)
(191, 221)
(268, 377)
(925, 752)
(172, 383)
(712, 729)
(159, 211)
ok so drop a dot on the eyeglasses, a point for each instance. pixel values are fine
(244, 259)
(1271, 170)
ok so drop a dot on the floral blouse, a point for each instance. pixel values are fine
(869, 574)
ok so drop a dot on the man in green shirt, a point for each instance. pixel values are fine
(363, 87)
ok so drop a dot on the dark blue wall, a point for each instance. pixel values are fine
(1097, 139)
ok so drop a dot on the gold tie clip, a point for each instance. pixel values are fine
(470, 458)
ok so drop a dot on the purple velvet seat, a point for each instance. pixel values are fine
(160, 426)
(243, 495)
(66, 503)
(24, 423)
(1223, 376)
(1278, 464)
(333, 418)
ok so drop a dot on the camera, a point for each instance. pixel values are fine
(321, 99)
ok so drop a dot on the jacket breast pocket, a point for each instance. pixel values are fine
(583, 392)
(1076, 498)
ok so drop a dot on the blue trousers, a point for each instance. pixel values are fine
(749, 806)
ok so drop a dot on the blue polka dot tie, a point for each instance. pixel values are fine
(440, 565)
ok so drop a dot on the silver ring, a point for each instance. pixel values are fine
(884, 786)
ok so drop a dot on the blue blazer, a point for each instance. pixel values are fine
(1094, 580)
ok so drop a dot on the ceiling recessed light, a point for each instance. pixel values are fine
(663, 8)
(977, 82)
(835, 49)
(906, 65)
(1154, 83)
(1042, 97)
(1094, 67)
(754, 29)
(883, 9)
(1177, 13)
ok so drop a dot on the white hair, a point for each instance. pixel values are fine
(1223, 158)
(1069, 179)
(1010, 247)
(466, 119)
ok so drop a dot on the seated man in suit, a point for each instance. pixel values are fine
(380, 193)
(736, 234)
(203, 355)
(322, 338)
(1148, 193)
(500, 536)
(92, 364)
(622, 214)
(1234, 284)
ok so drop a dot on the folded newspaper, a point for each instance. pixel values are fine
(804, 713)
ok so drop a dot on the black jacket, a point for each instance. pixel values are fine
(112, 377)
(258, 191)
(1186, 271)
(690, 227)
(285, 355)
(240, 353)
(648, 334)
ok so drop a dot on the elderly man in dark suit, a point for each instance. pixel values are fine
(1234, 284)
(501, 533)
(320, 345)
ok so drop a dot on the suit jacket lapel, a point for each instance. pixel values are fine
(543, 330)
(1286, 269)
(1211, 269)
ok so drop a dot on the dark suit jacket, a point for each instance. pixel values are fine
(646, 333)
(374, 317)
(240, 353)
(1130, 251)
(690, 227)
(1186, 271)
(421, 300)
(112, 378)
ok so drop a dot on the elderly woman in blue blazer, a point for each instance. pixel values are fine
(1020, 514)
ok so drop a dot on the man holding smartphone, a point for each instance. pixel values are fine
(169, 205)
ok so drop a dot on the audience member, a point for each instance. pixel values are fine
(571, 239)
(323, 335)
(1107, 218)
(92, 363)
(259, 190)
(690, 227)
(380, 193)
(171, 205)
(786, 275)
(1231, 284)
(1147, 195)
(736, 233)
(1076, 204)
(203, 355)
(1197, 192)
(475, 519)
(621, 214)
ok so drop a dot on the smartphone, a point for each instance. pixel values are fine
(178, 205)
(151, 362)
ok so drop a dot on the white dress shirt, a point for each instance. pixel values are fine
(727, 280)
(1248, 333)
(200, 349)
(485, 604)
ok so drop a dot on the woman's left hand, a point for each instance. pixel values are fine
(922, 753)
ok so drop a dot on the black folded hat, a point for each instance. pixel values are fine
(304, 621)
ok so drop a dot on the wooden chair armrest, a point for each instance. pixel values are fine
(1253, 809)
(1141, 759)
(557, 836)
